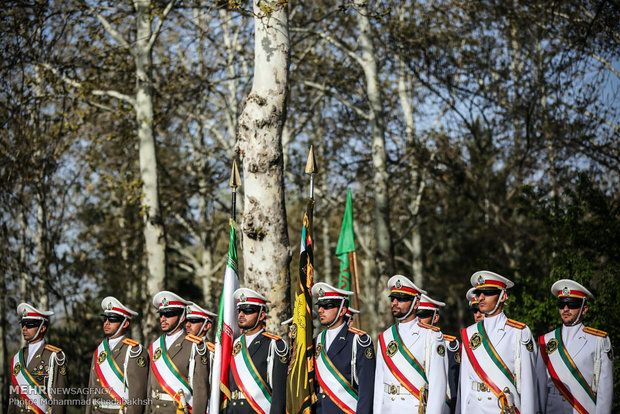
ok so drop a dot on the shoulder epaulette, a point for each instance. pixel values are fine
(515, 324)
(449, 338)
(357, 331)
(193, 338)
(595, 331)
(130, 342)
(427, 326)
(211, 346)
(53, 348)
(272, 336)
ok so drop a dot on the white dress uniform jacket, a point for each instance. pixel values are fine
(414, 337)
(581, 346)
(474, 398)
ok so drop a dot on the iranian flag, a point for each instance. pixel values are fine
(227, 329)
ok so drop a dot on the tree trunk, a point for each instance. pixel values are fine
(266, 247)
(385, 257)
(154, 235)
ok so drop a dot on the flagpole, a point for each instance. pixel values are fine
(226, 328)
(356, 289)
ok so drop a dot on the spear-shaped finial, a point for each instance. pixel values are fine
(235, 181)
(311, 169)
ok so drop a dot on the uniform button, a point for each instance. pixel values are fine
(479, 398)
(234, 403)
(240, 402)
(402, 398)
(157, 406)
(393, 399)
(489, 398)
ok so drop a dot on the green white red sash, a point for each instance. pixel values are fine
(488, 364)
(109, 374)
(337, 388)
(27, 387)
(167, 374)
(402, 364)
(248, 379)
(565, 374)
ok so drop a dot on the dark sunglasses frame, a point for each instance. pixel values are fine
(572, 304)
(112, 318)
(170, 313)
(30, 324)
(248, 310)
(402, 298)
(194, 320)
(327, 305)
(487, 292)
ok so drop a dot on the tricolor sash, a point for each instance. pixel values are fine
(337, 388)
(488, 364)
(248, 378)
(167, 374)
(110, 376)
(27, 387)
(565, 374)
(403, 365)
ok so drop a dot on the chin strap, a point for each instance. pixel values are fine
(337, 314)
(578, 318)
(37, 334)
(433, 318)
(499, 301)
(181, 320)
(262, 309)
(413, 302)
(119, 328)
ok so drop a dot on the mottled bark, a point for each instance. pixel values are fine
(154, 235)
(266, 248)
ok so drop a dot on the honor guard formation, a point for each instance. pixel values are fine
(495, 365)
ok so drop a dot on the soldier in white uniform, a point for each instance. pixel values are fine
(428, 313)
(411, 373)
(498, 357)
(575, 365)
(472, 300)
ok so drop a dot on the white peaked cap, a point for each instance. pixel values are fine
(352, 312)
(168, 300)
(322, 291)
(27, 311)
(245, 296)
(485, 279)
(402, 284)
(195, 311)
(110, 304)
(430, 304)
(566, 288)
(471, 297)
(286, 322)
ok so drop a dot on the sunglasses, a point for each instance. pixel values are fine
(425, 313)
(401, 299)
(111, 318)
(572, 304)
(169, 313)
(328, 305)
(487, 292)
(30, 324)
(474, 309)
(248, 310)
(195, 320)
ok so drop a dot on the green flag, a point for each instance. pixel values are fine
(346, 244)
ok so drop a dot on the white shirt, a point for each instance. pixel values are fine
(171, 338)
(250, 338)
(112, 342)
(330, 335)
(32, 349)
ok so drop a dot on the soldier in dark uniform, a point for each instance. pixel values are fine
(178, 374)
(428, 313)
(259, 361)
(199, 321)
(38, 370)
(113, 390)
(342, 353)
